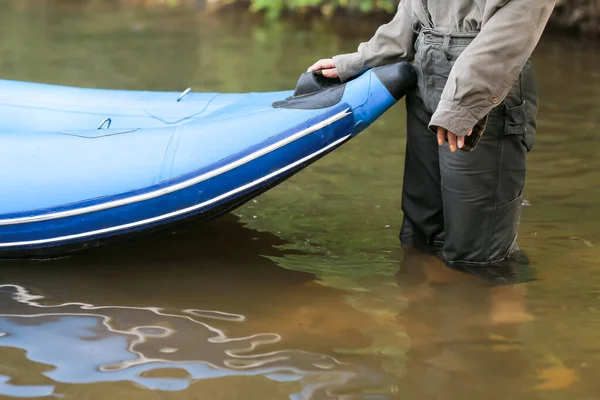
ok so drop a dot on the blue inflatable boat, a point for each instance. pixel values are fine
(79, 167)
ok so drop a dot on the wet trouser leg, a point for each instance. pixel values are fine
(482, 196)
(422, 202)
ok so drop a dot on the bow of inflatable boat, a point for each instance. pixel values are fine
(367, 96)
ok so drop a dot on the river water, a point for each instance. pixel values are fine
(303, 293)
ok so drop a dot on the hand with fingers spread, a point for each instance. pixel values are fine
(453, 140)
(327, 68)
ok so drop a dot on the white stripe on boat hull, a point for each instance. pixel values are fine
(178, 212)
(179, 186)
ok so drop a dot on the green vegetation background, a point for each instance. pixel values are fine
(578, 15)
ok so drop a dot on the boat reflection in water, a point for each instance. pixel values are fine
(72, 335)
(89, 344)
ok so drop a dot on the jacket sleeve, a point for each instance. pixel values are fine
(485, 72)
(393, 42)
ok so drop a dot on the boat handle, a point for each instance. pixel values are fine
(105, 124)
(182, 95)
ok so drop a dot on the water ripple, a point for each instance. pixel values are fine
(116, 343)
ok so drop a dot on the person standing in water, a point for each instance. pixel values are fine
(472, 59)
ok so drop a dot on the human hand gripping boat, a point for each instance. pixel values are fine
(81, 167)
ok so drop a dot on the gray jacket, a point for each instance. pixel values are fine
(508, 32)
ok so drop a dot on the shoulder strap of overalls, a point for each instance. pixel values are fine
(427, 13)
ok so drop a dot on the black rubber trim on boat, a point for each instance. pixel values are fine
(398, 78)
(314, 91)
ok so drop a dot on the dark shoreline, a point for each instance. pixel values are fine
(561, 22)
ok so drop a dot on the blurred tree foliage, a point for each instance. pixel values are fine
(274, 8)
(580, 15)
